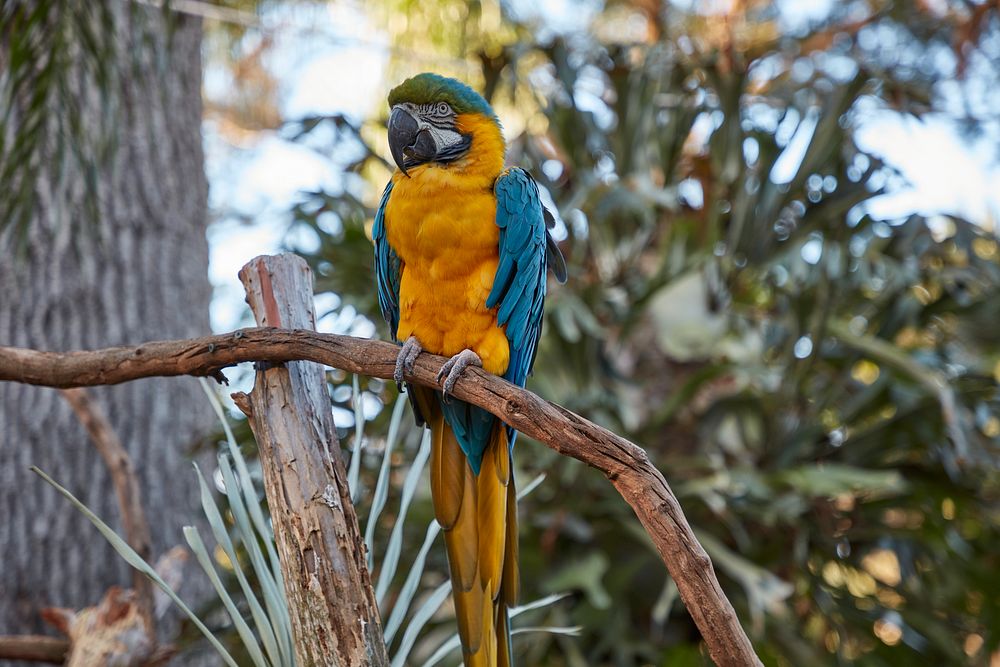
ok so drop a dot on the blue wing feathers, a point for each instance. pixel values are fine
(387, 268)
(519, 288)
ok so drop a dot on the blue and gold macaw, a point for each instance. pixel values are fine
(461, 251)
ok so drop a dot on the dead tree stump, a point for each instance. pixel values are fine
(335, 619)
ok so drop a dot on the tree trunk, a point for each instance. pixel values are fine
(335, 619)
(127, 265)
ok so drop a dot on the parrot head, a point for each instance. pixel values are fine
(437, 120)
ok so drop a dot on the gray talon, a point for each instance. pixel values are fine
(407, 357)
(453, 368)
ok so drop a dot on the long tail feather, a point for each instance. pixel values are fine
(504, 648)
(463, 538)
(510, 587)
(479, 516)
(448, 477)
(469, 607)
(492, 519)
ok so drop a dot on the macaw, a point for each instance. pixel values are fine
(461, 251)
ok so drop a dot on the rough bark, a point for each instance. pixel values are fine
(134, 267)
(622, 462)
(335, 619)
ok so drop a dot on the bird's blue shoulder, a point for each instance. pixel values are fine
(519, 286)
(387, 267)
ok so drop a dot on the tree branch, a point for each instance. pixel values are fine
(625, 464)
(34, 648)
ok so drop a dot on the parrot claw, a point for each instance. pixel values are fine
(407, 357)
(453, 368)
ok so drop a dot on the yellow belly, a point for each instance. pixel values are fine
(447, 238)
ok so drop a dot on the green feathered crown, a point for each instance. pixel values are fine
(428, 88)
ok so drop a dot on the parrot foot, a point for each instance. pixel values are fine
(453, 368)
(407, 357)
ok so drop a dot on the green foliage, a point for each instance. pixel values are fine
(820, 387)
(39, 66)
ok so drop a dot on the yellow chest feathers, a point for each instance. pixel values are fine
(448, 242)
(441, 231)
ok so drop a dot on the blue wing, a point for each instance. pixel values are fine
(387, 268)
(519, 285)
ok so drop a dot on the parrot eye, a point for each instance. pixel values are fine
(442, 108)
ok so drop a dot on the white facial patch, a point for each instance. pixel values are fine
(443, 138)
(438, 119)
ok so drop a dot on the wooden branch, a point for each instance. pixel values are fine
(335, 618)
(34, 648)
(625, 464)
(127, 489)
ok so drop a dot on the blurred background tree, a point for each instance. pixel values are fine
(102, 232)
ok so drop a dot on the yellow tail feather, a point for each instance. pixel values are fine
(510, 586)
(462, 539)
(503, 637)
(448, 477)
(492, 518)
(479, 516)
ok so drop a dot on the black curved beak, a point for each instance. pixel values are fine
(409, 144)
(402, 135)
